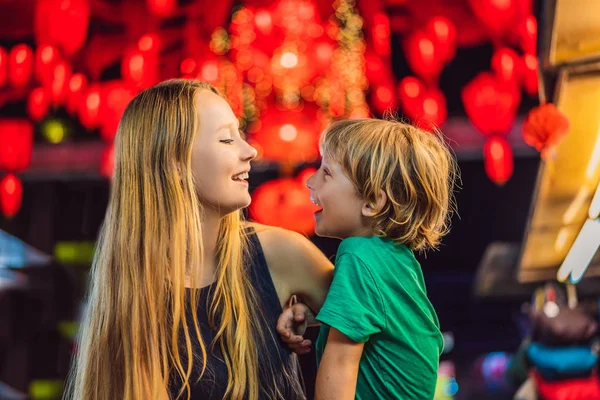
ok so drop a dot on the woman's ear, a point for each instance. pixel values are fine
(370, 210)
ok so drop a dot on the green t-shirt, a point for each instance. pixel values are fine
(378, 297)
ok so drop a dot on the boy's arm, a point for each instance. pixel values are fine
(338, 370)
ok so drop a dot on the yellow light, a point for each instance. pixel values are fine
(54, 131)
(288, 133)
(288, 60)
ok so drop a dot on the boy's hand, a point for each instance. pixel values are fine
(291, 326)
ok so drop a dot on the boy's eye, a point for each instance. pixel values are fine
(326, 172)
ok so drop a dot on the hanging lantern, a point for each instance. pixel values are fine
(285, 203)
(384, 98)
(530, 75)
(76, 92)
(162, 8)
(498, 160)
(46, 58)
(11, 195)
(116, 97)
(188, 67)
(107, 161)
(150, 43)
(490, 105)
(432, 111)
(381, 34)
(288, 136)
(443, 33)
(89, 108)
(140, 68)
(498, 16)
(58, 86)
(410, 91)
(3, 66)
(38, 104)
(506, 64)
(423, 56)
(62, 23)
(20, 65)
(527, 34)
(16, 142)
(545, 126)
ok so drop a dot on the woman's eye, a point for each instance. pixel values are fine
(226, 141)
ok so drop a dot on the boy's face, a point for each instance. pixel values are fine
(341, 214)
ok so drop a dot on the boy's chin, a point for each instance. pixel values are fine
(320, 232)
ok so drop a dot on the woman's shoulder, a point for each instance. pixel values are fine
(277, 242)
(296, 264)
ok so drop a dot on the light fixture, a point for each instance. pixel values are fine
(581, 253)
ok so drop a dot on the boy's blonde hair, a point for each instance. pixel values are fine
(415, 169)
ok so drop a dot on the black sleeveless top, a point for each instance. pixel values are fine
(278, 366)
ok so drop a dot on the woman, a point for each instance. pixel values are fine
(184, 296)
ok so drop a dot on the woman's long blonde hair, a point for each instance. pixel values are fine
(135, 322)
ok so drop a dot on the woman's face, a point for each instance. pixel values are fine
(220, 156)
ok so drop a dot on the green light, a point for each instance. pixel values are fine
(46, 389)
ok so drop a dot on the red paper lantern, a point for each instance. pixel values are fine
(3, 66)
(530, 75)
(498, 16)
(89, 108)
(432, 111)
(527, 34)
(545, 126)
(506, 63)
(150, 43)
(162, 8)
(16, 142)
(498, 160)
(58, 86)
(410, 90)
(20, 65)
(384, 98)
(107, 162)
(116, 98)
(443, 33)
(284, 203)
(140, 68)
(76, 91)
(46, 58)
(11, 195)
(38, 104)
(376, 70)
(490, 105)
(381, 34)
(62, 23)
(288, 136)
(423, 55)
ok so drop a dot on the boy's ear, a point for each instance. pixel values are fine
(370, 210)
